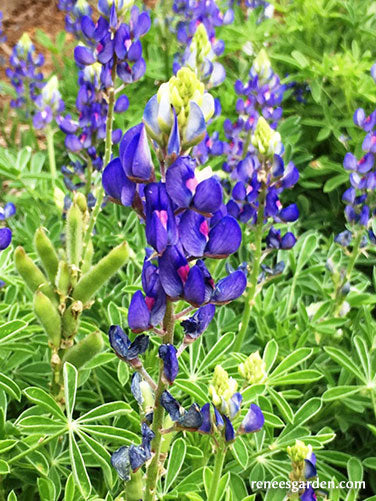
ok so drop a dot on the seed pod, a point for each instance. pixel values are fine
(32, 275)
(86, 265)
(81, 202)
(49, 317)
(85, 350)
(100, 273)
(46, 253)
(74, 232)
(63, 278)
(71, 319)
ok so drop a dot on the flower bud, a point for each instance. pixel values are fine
(82, 352)
(299, 452)
(86, 264)
(253, 369)
(93, 280)
(46, 253)
(49, 317)
(31, 274)
(25, 43)
(222, 387)
(262, 65)
(74, 231)
(265, 139)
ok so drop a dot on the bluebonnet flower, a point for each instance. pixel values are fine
(48, 104)
(359, 197)
(75, 10)
(124, 348)
(227, 403)
(303, 468)
(197, 323)
(8, 211)
(167, 352)
(113, 43)
(25, 75)
(131, 458)
(189, 420)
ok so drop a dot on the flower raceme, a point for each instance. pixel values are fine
(8, 211)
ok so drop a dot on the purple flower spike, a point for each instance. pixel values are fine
(167, 352)
(124, 348)
(173, 271)
(117, 185)
(224, 238)
(253, 421)
(206, 426)
(229, 288)
(122, 104)
(308, 494)
(5, 238)
(198, 323)
(234, 404)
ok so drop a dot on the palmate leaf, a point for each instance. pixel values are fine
(10, 387)
(44, 400)
(70, 387)
(175, 462)
(79, 471)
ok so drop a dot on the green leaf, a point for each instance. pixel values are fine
(70, 387)
(46, 488)
(80, 474)
(69, 489)
(4, 467)
(340, 392)
(270, 354)
(122, 373)
(300, 58)
(222, 486)
(217, 351)
(335, 181)
(355, 469)
(44, 400)
(12, 496)
(370, 463)
(344, 361)
(299, 377)
(307, 411)
(10, 330)
(207, 476)
(41, 425)
(105, 411)
(10, 387)
(282, 404)
(240, 452)
(175, 462)
(295, 358)
(363, 354)
(273, 420)
(102, 456)
(305, 250)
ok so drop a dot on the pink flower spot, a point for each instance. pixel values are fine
(183, 272)
(163, 217)
(149, 302)
(191, 184)
(204, 228)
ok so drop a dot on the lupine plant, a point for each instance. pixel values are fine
(187, 312)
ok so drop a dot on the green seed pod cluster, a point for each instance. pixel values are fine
(66, 283)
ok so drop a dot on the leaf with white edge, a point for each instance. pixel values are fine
(80, 474)
(217, 351)
(46, 488)
(250, 393)
(12, 496)
(222, 486)
(196, 391)
(273, 420)
(102, 456)
(364, 357)
(41, 425)
(299, 377)
(370, 463)
(44, 400)
(292, 360)
(282, 404)
(7, 445)
(175, 462)
(10, 387)
(240, 452)
(4, 467)
(307, 411)
(270, 354)
(345, 361)
(355, 470)
(70, 387)
(105, 411)
(340, 392)
(207, 476)
(10, 330)
(118, 435)
(69, 489)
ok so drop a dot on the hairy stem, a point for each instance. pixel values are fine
(152, 473)
(51, 155)
(217, 473)
(251, 294)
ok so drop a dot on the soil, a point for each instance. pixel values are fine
(21, 16)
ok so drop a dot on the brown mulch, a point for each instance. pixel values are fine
(20, 16)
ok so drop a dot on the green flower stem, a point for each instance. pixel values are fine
(152, 473)
(217, 473)
(250, 297)
(339, 297)
(107, 158)
(89, 172)
(51, 155)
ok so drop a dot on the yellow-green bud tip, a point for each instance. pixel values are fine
(253, 369)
